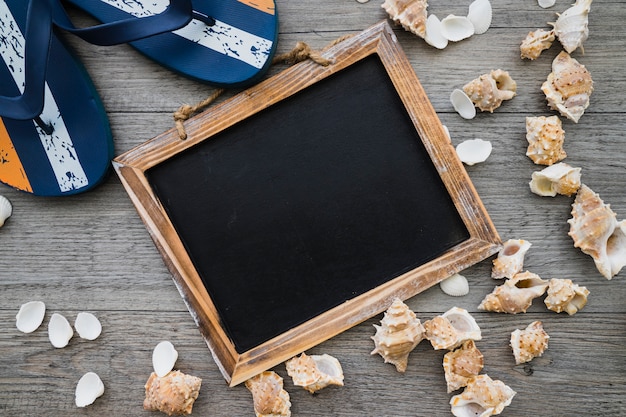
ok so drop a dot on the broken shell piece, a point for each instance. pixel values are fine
(535, 43)
(411, 14)
(488, 91)
(451, 329)
(6, 209)
(480, 15)
(529, 343)
(462, 104)
(515, 295)
(556, 179)
(87, 326)
(456, 28)
(433, 35)
(546, 3)
(564, 295)
(89, 388)
(315, 372)
(596, 231)
(164, 358)
(572, 26)
(59, 331)
(462, 364)
(510, 259)
(270, 399)
(399, 333)
(482, 397)
(30, 316)
(173, 394)
(455, 285)
(473, 151)
(545, 136)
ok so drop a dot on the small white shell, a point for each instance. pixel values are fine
(462, 104)
(455, 285)
(59, 331)
(30, 316)
(88, 326)
(546, 3)
(473, 151)
(89, 388)
(6, 209)
(434, 37)
(559, 178)
(456, 28)
(163, 358)
(480, 15)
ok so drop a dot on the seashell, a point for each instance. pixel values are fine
(6, 209)
(173, 394)
(473, 151)
(87, 326)
(529, 343)
(59, 331)
(451, 329)
(535, 43)
(30, 316)
(455, 285)
(515, 295)
(480, 15)
(546, 3)
(482, 397)
(456, 28)
(411, 14)
(315, 372)
(556, 179)
(88, 389)
(462, 104)
(572, 26)
(270, 399)
(568, 87)
(545, 136)
(399, 333)
(564, 295)
(489, 90)
(510, 259)
(462, 364)
(596, 231)
(433, 35)
(164, 358)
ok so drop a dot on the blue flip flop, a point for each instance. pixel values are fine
(227, 43)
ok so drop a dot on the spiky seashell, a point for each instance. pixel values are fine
(568, 87)
(87, 326)
(59, 331)
(463, 105)
(433, 35)
(6, 209)
(172, 394)
(411, 14)
(556, 179)
(315, 372)
(515, 295)
(482, 397)
(510, 259)
(88, 389)
(564, 295)
(462, 364)
(529, 343)
(489, 90)
(164, 358)
(455, 285)
(572, 26)
(596, 231)
(268, 395)
(545, 136)
(451, 329)
(480, 15)
(535, 43)
(399, 333)
(456, 28)
(30, 316)
(473, 151)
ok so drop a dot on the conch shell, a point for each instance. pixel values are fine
(482, 397)
(564, 295)
(535, 43)
(462, 364)
(515, 295)
(529, 343)
(545, 136)
(510, 259)
(596, 231)
(270, 399)
(411, 14)
(451, 329)
(172, 394)
(315, 372)
(556, 179)
(572, 26)
(568, 87)
(399, 333)
(489, 90)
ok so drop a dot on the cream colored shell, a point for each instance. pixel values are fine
(564, 295)
(315, 372)
(462, 364)
(489, 90)
(482, 397)
(411, 14)
(535, 43)
(572, 26)
(455, 285)
(556, 179)
(6, 209)
(545, 136)
(268, 395)
(510, 259)
(451, 329)
(515, 295)
(529, 343)
(172, 394)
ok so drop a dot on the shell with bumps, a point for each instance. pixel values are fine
(596, 231)
(556, 179)
(510, 259)
(315, 372)
(462, 364)
(572, 26)
(564, 295)
(411, 14)
(488, 91)
(451, 329)
(529, 343)
(545, 136)
(172, 394)
(482, 397)
(268, 395)
(535, 43)
(400, 331)
(515, 295)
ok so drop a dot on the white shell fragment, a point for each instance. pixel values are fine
(89, 388)
(456, 28)
(434, 37)
(455, 285)
(30, 316)
(546, 3)
(163, 358)
(463, 105)
(556, 179)
(59, 331)
(480, 15)
(6, 209)
(474, 151)
(88, 326)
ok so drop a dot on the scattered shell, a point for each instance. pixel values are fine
(546, 3)
(87, 326)
(510, 259)
(6, 209)
(568, 87)
(89, 388)
(482, 397)
(535, 43)
(572, 26)
(559, 178)
(59, 331)
(411, 14)
(489, 90)
(473, 151)
(315, 372)
(515, 295)
(270, 399)
(433, 35)
(30, 316)
(529, 343)
(545, 136)
(462, 364)
(596, 231)
(455, 285)
(174, 393)
(164, 358)
(451, 329)
(462, 104)
(399, 333)
(564, 295)
(480, 15)
(456, 28)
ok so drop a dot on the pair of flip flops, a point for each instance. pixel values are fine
(54, 133)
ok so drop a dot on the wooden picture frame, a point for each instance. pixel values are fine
(166, 169)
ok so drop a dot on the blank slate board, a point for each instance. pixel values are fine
(304, 205)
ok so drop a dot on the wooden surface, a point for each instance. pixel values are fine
(92, 253)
